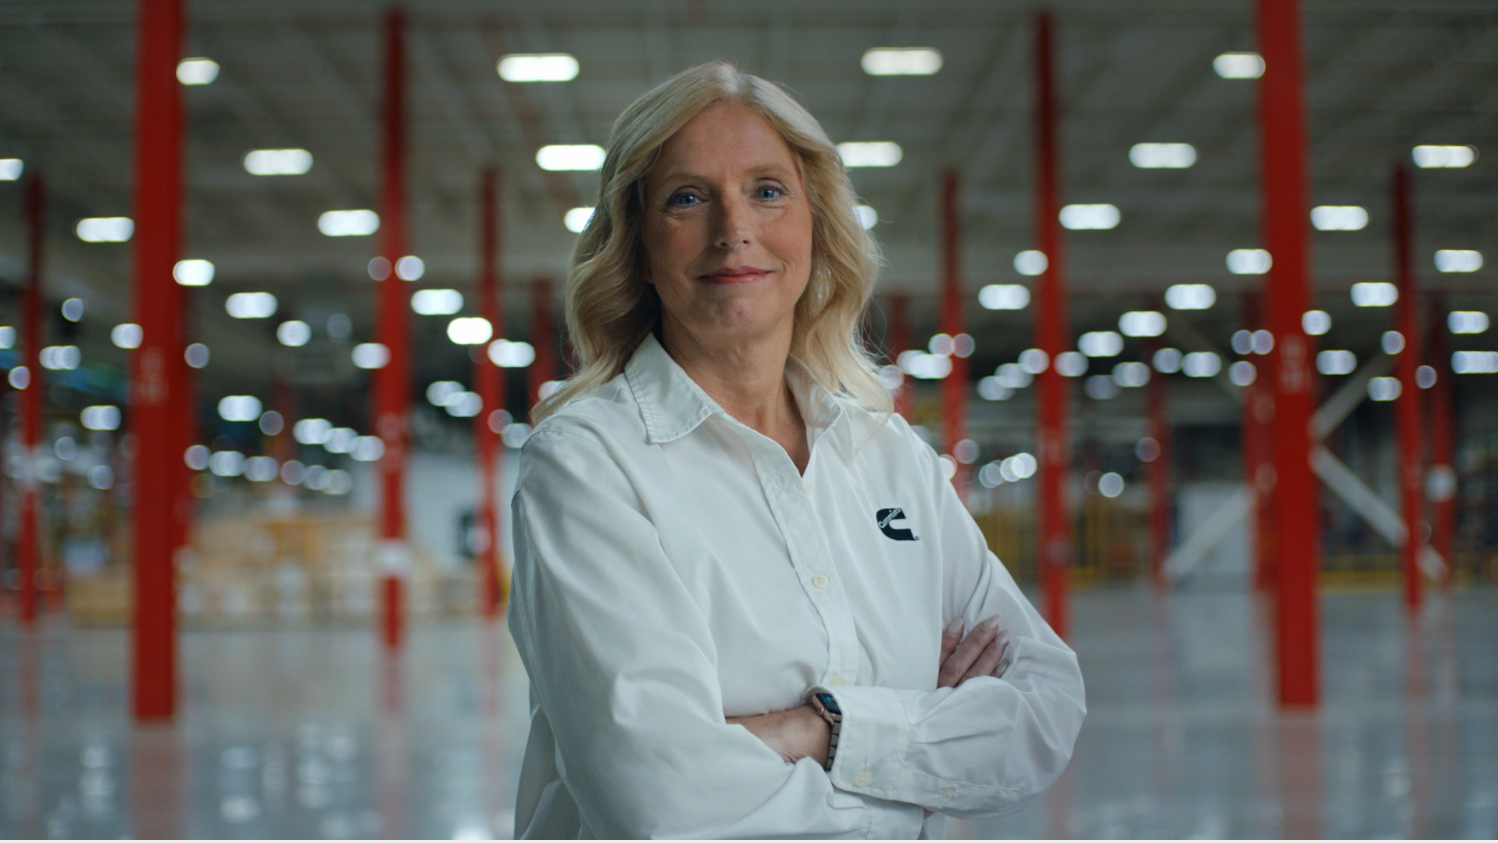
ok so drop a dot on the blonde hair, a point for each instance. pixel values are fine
(609, 306)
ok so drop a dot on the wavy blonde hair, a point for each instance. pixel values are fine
(609, 306)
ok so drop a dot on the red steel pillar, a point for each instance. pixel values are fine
(1296, 493)
(1158, 426)
(543, 337)
(488, 381)
(954, 387)
(1051, 337)
(1442, 445)
(157, 379)
(899, 340)
(28, 558)
(1407, 409)
(392, 382)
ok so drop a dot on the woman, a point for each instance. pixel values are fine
(741, 584)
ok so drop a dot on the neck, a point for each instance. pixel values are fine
(745, 376)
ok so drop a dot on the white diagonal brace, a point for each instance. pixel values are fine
(1207, 536)
(1366, 503)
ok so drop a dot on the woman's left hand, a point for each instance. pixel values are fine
(794, 734)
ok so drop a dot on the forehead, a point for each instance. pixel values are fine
(725, 139)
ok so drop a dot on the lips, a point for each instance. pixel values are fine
(735, 275)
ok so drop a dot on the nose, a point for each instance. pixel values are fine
(733, 224)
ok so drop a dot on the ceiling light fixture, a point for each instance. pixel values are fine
(537, 67)
(901, 61)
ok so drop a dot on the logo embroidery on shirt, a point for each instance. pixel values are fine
(886, 519)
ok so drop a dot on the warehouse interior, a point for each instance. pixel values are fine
(281, 282)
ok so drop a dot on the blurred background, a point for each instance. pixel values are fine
(280, 283)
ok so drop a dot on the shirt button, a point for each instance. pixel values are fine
(863, 779)
(835, 680)
(820, 580)
(807, 487)
(948, 793)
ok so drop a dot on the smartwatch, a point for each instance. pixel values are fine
(826, 707)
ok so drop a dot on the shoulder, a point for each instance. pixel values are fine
(885, 435)
(587, 436)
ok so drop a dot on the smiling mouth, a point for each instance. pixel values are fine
(734, 275)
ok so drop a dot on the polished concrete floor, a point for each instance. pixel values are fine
(313, 733)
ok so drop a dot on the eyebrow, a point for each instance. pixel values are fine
(758, 171)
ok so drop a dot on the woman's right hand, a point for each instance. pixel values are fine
(979, 653)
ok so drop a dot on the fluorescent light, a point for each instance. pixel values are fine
(511, 355)
(1472, 362)
(1142, 323)
(537, 67)
(1100, 344)
(867, 216)
(196, 355)
(1190, 296)
(1249, 261)
(1392, 342)
(60, 357)
(989, 389)
(193, 272)
(1110, 485)
(367, 448)
(1004, 297)
(293, 333)
(226, 463)
(1336, 362)
(577, 219)
(105, 229)
(1435, 157)
(436, 302)
(100, 417)
(1201, 364)
(1167, 360)
(410, 268)
(1013, 376)
(1458, 260)
(277, 162)
(1339, 217)
(870, 153)
(469, 330)
(919, 364)
(1374, 294)
(1101, 388)
(1242, 373)
(1239, 65)
(1071, 364)
(1131, 374)
(10, 169)
(261, 469)
(438, 392)
(126, 335)
(72, 309)
(1316, 322)
(353, 223)
(901, 61)
(251, 305)
(1467, 321)
(312, 431)
(1162, 156)
(570, 156)
(1031, 262)
(197, 71)
(7, 336)
(239, 408)
(1089, 217)
(1384, 389)
(370, 355)
(1033, 361)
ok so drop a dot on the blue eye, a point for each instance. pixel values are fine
(770, 192)
(682, 200)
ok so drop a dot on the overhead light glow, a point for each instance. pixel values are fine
(1467, 321)
(1100, 344)
(1033, 361)
(989, 389)
(919, 364)
(511, 355)
(1242, 373)
(1336, 362)
(293, 333)
(901, 61)
(105, 229)
(61, 358)
(193, 272)
(368, 448)
(870, 153)
(436, 302)
(1110, 485)
(312, 431)
(1384, 389)
(1101, 388)
(1071, 364)
(72, 309)
(1162, 156)
(1089, 217)
(438, 392)
(410, 268)
(1201, 364)
(577, 219)
(469, 330)
(1437, 157)
(570, 156)
(196, 355)
(359, 222)
(10, 168)
(1316, 322)
(277, 162)
(1190, 296)
(1004, 297)
(370, 355)
(1339, 217)
(7, 336)
(1249, 261)
(1131, 374)
(226, 463)
(1392, 342)
(1167, 361)
(1031, 262)
(1142, 323)
(1013, 376)
(867, 216)
(197, 71)
(1374, 294)
(537, 67)
(125, 335)
(239, 408)
(1466, 362)
(1239, 65)
(251, 305)
(100, 417)
(1458, 260)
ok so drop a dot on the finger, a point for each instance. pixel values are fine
(956, 666)
(950, 638)
(987, 662)
(1003, 640)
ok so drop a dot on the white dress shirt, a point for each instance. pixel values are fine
(673, 568)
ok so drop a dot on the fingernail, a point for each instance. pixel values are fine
(992, 623)
(954, 627)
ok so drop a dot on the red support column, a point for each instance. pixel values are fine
(1159, 474)
(1442, 445)
(1296, 494)
(392, 382)
(954, 387)
(1407, 408)
(1051, 337)
(28, 559)
(156, 379)
(488, 381)
(899, 340)
(543, 337)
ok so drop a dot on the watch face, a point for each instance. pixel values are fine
(830, 703)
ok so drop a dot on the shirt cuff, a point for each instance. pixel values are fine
(872, 741)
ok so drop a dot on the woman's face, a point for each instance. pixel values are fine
(727, 228)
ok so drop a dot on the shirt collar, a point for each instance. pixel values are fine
(673, 405)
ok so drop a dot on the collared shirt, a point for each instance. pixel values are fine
(673, 568)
